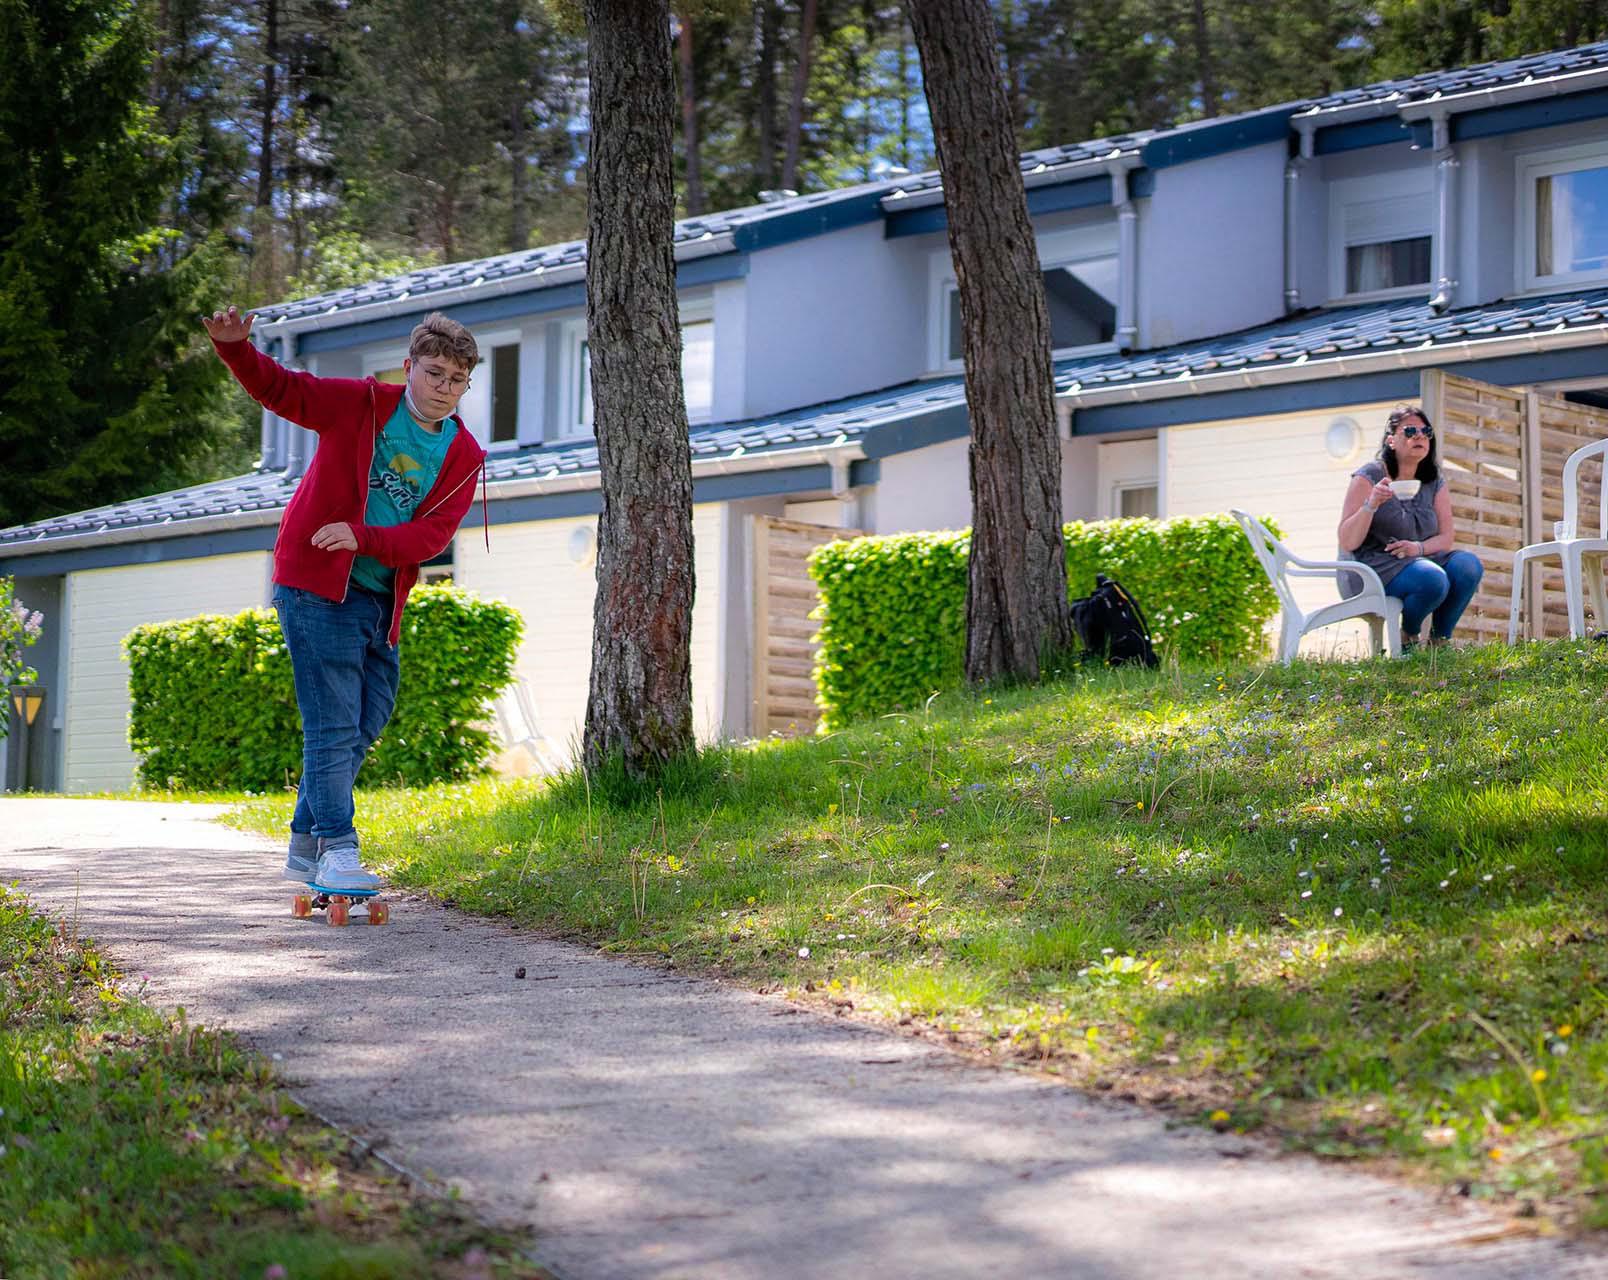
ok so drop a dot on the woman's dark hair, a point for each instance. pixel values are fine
(1428, 469)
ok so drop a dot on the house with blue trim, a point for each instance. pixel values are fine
(1235, 305)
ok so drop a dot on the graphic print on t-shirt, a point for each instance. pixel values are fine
(400, 480)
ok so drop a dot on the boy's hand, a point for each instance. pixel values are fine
(335, 537)
(228, 326)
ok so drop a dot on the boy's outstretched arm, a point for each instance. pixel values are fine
(315, 403)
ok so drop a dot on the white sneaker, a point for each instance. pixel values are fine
(338, 868)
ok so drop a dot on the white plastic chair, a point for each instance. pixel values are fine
(1582, 558)
(1382, 612)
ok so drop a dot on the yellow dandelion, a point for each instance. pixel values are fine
(1565, 1031)
(1497, 1154)
(1538, 1075)
(1219, 1118)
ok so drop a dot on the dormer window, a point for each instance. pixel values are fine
(1563, 217)
(1080, 270)
(1382, 235)
(697, 369)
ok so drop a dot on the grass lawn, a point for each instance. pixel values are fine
(1358, 907)
(135, 1145)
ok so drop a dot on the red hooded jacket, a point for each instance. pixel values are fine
(347, 413)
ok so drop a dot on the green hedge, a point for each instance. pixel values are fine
(214, 708)
(893, 609)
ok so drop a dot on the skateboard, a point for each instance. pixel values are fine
(337, 904)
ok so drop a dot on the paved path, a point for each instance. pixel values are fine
(650, 1126)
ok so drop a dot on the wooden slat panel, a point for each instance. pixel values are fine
(784, 633)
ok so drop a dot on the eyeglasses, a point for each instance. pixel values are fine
(442, 380)
(1410, 432)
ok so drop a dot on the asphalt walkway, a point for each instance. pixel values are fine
(649, 1126)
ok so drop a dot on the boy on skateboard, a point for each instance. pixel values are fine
(392, 478)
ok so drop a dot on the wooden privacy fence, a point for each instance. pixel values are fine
(1502, 450)
(784, 647)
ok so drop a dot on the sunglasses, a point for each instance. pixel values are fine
(1410, 432)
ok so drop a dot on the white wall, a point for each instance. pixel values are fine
(1211, 256)
(930, 488)
(1277, 466)
(831, 316)
(104, 605)
(531, 567)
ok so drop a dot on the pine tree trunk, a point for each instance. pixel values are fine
(639, 705)
(264, 269)
(1016, 606)
(765, 95)
(1203, 61)
(689, 121)
(801, 83)
(518, 143)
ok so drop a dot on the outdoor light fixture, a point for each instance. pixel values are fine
(582, 544)
(1343, 439)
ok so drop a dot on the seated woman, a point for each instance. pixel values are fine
(1397, 520)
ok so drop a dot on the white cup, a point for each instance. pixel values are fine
(1406, 490)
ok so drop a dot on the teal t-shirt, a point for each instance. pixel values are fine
(407, 459)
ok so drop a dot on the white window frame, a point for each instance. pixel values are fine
(1345, 192)
(570, 387)
(486, 341)
(375, 362)
(1544, 164)
(1064, 248)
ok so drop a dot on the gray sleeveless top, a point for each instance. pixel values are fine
(1397, 518)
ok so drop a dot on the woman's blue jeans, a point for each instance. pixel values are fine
(1424, 586)
(346, 675)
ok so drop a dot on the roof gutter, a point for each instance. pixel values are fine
(104, 537)
(836, 455)
(1307, 370)
(1501, 95)
(707, 245)
(1041, 175)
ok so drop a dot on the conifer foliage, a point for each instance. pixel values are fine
(103, 387)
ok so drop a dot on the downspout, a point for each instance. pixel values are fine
(1127, 254)
(297, 452)
(1292, 214)
(270, 459)
(1446, 166)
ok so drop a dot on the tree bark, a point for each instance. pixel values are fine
(518, 142)
(689, 121)
(765, 94)
(264, 270)
(639, 704)
(801, 83)
(1203, 60)
(1016, 605)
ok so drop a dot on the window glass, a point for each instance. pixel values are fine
(505, 392)
(697, 373)
(1139, 500)
(698, 368)
(1082, 301)
(1571, 222)
(1388, 265)
(396, 375)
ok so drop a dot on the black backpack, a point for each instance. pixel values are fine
(1112, 626)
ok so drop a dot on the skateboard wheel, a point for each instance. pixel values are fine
(379, 913)
(301, 906)
(338, 912)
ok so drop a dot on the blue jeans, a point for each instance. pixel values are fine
(346, 675)
(1424, 586)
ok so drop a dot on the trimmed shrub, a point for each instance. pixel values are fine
(213, 706)
(893, 609)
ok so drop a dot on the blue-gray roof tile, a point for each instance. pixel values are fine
(1484, 75)
(1303, 338)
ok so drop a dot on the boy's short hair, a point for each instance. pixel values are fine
(436, 335)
